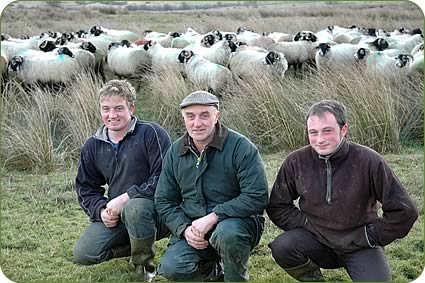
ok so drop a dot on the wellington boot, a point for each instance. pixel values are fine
(308, 271)
(142, 256)
(121, 251)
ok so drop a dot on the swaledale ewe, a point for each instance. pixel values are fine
(209, 76)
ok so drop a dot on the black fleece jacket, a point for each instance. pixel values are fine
(133, 168)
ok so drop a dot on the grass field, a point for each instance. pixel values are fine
(40, 217)
(41, 221)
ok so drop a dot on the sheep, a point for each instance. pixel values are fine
(406, 45)
(219, 53)
(205, 74)
(3, 65)
(379, 44)
(278, 36)
(51, 67)
(163, 58)
(296, 52)
(164, 40)
(13, 48)
(335, 57)
(382, 65)
(128, 62)
(251, 64)
(116, 35)
(417, 66)
(189, 37)
(180, 42)
(247, 35)
(418, 48)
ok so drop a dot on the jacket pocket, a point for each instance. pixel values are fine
(363, 239)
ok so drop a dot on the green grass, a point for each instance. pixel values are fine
(41, 221)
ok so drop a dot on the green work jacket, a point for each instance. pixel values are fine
(228, 177)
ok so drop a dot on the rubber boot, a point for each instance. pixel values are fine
(142, 256)
(121, 251)
(308, 271)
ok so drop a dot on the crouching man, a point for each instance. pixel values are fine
(211, 193)
(338, 185)
(126, 155)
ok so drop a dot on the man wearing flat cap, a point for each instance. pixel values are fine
(211, 193)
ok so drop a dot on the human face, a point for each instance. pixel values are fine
(116, 114)
(324, 133)
(200, 122)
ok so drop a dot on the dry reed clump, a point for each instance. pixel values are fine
(166, 90)
(268, 113)
(43, 129)
(29, 130)
(79, 112)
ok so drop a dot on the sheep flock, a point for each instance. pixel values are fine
(211, 60)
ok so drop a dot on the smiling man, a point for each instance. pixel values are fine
(338, 185)
(125, 155)
(211, 194)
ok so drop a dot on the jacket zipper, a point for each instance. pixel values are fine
(328, 179)
(198, 158)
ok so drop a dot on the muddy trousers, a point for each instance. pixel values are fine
(232, 240)
(294, 247)
(99, 243)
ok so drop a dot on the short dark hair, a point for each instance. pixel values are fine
(332, 106)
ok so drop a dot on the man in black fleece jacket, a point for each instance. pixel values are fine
(338, 185)
(125, 155)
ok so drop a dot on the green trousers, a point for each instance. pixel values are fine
(232, 241)
(99, 243)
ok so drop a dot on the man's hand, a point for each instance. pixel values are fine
(115, 205)
(201, 226)
(193, 240)
(109, 219)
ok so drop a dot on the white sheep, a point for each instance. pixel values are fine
(406, 45)
(336, 57)
(278, 36)
(205, 74)
(15, 47)
(417, 66)
(382, 65)
(163, 58)
(219, 53)
(128, 62)
(296, 52)
(48, 67)
(251, 64)
(3, 64)
(418, 48)
(116, 35)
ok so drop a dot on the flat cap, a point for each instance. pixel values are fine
(200, 98)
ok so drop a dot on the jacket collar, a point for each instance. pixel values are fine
(220, 135)
(102, 132)
(340, 152)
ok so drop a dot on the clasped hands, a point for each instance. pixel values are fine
(195, 233)
(112, 213)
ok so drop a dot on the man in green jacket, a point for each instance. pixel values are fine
(211, 193)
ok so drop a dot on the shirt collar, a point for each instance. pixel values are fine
(102, 132)
(220, 135)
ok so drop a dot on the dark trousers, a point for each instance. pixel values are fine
(294, 247)
(232, 240)
(138, 218)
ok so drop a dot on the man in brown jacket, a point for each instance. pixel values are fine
(338, 185)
